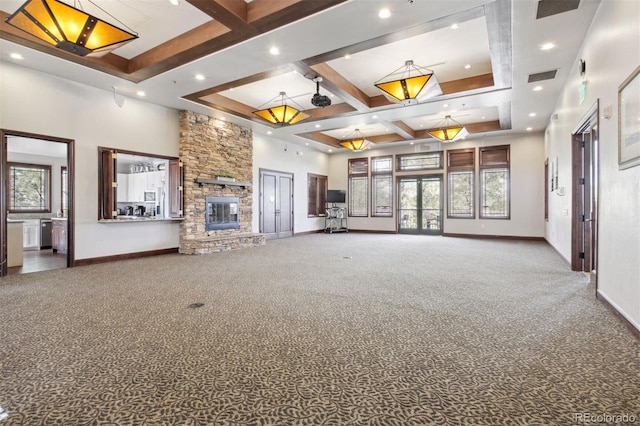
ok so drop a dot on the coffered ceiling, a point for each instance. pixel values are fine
(482, 53)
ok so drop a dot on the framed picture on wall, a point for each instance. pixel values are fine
(629, 121)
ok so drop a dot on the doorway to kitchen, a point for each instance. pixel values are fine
(37, 211)
(420, 205)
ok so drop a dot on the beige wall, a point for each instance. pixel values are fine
(527, 187)
(611, 51)
(39, 103)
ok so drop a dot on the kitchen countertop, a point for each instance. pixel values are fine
(129, 219)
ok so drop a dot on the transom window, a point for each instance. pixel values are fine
(29, 188)
(421, 161)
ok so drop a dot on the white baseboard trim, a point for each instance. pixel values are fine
(619, 310)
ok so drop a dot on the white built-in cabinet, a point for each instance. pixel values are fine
(131, 187)
(31, 234)
(123, 187)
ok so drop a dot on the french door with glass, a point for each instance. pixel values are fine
(420, 202)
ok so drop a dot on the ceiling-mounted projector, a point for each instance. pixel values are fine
(318, 99)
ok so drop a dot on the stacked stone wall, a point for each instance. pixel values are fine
(209, 146)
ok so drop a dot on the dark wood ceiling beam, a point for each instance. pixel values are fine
(230, 13)
(266, 15)
(238, 83)
(403, 129)
(340, 86)
(386, 138)
(321, 138)
(470, 83)
(487, 126)
(198, 42)
(330, 111)
(213, 37)
(225, 104)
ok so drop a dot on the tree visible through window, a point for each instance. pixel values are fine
(358, 187)
(461, 176)
(382, 186)
(494, 182)
(29, 188)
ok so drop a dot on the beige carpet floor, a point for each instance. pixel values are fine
(342, 329)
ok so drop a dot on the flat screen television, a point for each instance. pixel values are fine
(336, 196)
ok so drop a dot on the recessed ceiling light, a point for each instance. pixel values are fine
(141, 93)
(269, 132)
(532, 114)
(306, 143)
(175, 2)
(16, 56)
(547, 46)
(455, 26)
(347, 56)
(466, 67)
(330, 150)
(375, 116)
(410, 143)
(529, 129)
(537, 88)
(199, 77)
(445, 105)
(274, 51)
(384, 13)
(317, 126)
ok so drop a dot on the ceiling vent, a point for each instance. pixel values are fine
(553, 7)
(546, 75)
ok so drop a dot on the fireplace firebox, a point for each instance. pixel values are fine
(222, 213)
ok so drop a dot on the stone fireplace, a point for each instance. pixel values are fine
(217, 213)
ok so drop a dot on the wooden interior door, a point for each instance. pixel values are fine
(276, 204)
(584, 248)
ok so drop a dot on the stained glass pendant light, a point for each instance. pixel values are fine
(283, 113)
(448, 130)
(356, 141)
(68, 28)
(409, 83)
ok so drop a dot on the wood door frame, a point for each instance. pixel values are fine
(277, 173)
(589, 123)
(4, 134)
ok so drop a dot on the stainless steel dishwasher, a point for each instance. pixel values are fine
(45, 233)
